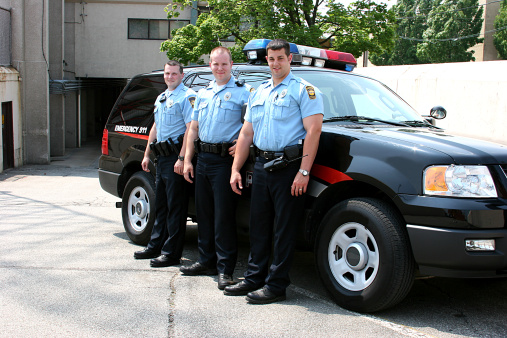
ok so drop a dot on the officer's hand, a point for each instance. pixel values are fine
(178, 167)
(188, 171)
(232, 150)
(236, 182)
(299, 185)
(144, 164)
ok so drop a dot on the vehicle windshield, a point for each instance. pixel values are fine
(346, 96)
(349, 95)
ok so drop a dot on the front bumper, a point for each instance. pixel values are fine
(439, 226)
(441, 252)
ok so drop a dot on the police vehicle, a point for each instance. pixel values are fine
(391, 195)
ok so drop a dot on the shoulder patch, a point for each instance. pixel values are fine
(311, 92)
(191, 99)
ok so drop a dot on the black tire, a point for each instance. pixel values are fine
(138, 207)
(363, 255)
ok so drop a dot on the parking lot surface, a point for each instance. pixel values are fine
(67, 269)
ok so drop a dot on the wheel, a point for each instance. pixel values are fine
(138, 207)
(363, 255)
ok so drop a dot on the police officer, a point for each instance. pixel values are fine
(173, 110)
(284, 114)
(216, 121)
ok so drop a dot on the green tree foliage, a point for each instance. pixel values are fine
(500, 36)
(434, 31)
(453, 28)
(364, 25)
(412, 24)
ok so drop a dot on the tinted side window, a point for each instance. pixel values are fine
(254, 79)
(135, 106)
(198, 81)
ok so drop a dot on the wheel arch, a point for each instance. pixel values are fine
(336, 193)
(131, 161)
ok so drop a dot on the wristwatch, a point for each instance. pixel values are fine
(181, 158)
(303, 172)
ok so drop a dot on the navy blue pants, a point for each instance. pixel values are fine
(272, 205)
(215, 204)
(171, 202)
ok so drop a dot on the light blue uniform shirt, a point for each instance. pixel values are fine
(277, 113)
(218, 111)
(173, 111)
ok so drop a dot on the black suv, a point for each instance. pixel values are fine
(390, 194)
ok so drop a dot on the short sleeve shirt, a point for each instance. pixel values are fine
(277, 113)
(218, 111)
(173, 110)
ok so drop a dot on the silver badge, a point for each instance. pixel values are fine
(227, 96)
(170, 103)
(283, 93)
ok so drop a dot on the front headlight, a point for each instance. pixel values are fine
(459, 181)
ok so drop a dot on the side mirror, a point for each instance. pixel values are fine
(438, 112)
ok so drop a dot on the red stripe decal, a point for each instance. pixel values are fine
(142, 137)
(328, 174)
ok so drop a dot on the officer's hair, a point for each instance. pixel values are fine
(278, 44)
(220, 50)
(175, 63)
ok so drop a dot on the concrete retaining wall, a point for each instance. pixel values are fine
(473, 93)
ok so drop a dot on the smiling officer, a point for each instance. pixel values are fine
(216, 121)
(283, 120)
(173, 109)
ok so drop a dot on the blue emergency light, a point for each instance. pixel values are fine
(255, 51)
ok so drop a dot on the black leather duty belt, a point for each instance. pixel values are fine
(268, 155)
(215, 148)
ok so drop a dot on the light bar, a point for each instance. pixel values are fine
(255, 51)
(252, 55)
(306, 61)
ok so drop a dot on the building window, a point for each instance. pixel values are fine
(153, 29)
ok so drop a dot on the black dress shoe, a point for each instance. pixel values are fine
(146, 254)
(240, 289)
(263, 296)
(224, 280)
(198, 269)
(163, 261)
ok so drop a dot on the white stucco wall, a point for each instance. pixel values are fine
(473, 93)
(10, 91)
(101, 39)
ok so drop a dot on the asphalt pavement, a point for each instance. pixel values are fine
(67, 270)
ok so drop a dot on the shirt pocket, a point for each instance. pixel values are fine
(257, 110)
(168, 115)
(203, 110)
(228, 111)
(281, 109)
